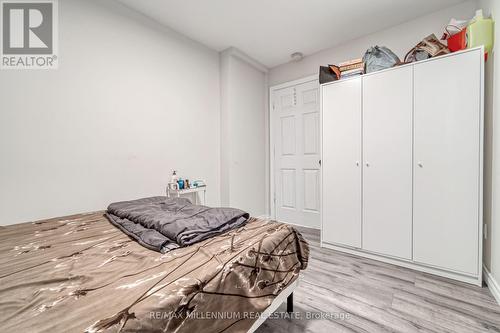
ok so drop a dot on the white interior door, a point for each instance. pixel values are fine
(341, 170)
(447, 162)
(387, 157)
(296, 137)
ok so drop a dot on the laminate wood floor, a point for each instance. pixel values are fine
(379, 297)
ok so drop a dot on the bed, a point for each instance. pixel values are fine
(83, 274)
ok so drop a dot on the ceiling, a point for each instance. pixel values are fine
(270, 30)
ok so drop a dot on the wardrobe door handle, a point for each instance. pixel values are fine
(420, 164)
(357, 163)
(367, 164)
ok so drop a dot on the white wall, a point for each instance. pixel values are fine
(492, 148)
(244, 142)
(400, 39)
(131, 101)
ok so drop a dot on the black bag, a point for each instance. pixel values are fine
(326, 74)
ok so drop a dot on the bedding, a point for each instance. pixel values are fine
(82, 274)
(163, 224)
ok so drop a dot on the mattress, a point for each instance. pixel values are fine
(82, 274)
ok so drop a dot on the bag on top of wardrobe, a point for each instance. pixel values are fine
(328, 74)
(429, 47)
(377, 58)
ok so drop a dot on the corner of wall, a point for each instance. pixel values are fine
(492, 284)
(234, 52)
(230, 81)
(492, 157)
(268, 144)
(224, 64)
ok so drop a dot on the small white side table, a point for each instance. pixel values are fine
(195, 190)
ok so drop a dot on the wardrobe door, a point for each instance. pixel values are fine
(447, 162)
(387, 162)
(341, 169)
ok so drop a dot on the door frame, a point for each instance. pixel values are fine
(272, 180)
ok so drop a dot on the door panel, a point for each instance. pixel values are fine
(288, 143)
(341, 172)
(446, 157)
(387, 157)
(296, 155)
(288, 188)
(311, 130)
(311, 190)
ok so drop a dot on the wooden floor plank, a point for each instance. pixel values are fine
(380, 297)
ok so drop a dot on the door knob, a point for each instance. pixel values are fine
(367, 164)
(357, 163)
(420, 164)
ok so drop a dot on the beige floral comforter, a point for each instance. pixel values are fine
(81, 274)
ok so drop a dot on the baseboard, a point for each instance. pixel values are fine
(292, 224)
(492, 284)
(300, 225)
(455, 275)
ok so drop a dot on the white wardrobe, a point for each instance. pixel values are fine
(402, 165)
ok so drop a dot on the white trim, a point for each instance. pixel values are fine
(272, 89)
(476, 280)
(321, 196)
(481, 163)
(232, 51)
(267, 217)
(272, 195)
(299, 225)
(282, 297)
(492, 284)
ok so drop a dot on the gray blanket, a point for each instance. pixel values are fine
(163, 224)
